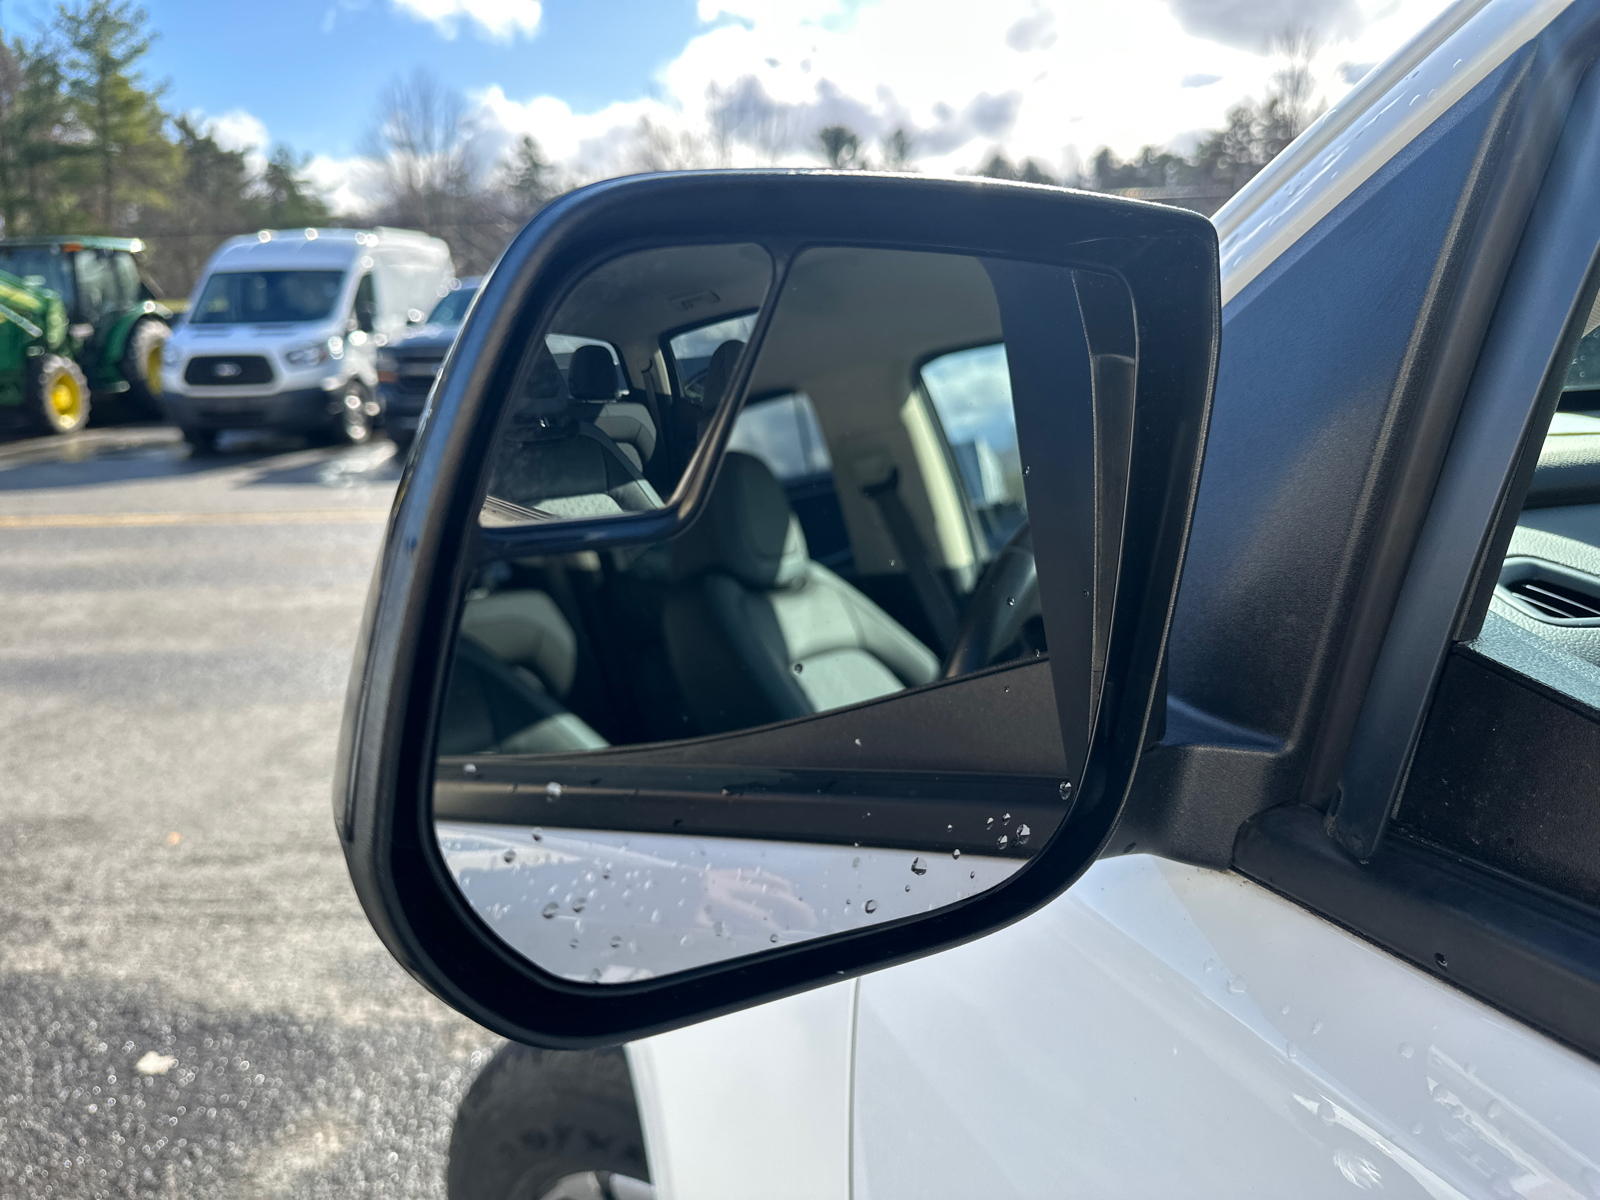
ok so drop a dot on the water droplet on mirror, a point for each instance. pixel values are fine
(616, 940)
(538, 835)
(1211, 965)
(655, 916)
(989, 824)
(469, 768)
(1236, 985)
(871, 906)
(1011, 601)
(550, 910)
(919, 866)
(1023, 834)
(1495, 1110)
(1002, 841)
(1066, 790)
(856, 861)
(1025, 470)
(1405, 1050)
(773, 939)
(1007, 817)
(908, 887)
(799, 667)
(552, 789)
(594, 975)
(972, 874)
(1284, 1010)
(510, 856)
(578, 903)
(573, 943)
(956, 853)
(1417, 1129)
(1316, 1027)
(1294, 1052)
(718, 929)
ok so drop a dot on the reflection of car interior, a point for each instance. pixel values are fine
(844, 552)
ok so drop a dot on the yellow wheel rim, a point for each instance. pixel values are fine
(152, 370)
(66, 399)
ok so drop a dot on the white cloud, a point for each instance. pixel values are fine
(1051, 79)
(502, 20)
(238, 130)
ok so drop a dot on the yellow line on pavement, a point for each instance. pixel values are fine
(304, 516)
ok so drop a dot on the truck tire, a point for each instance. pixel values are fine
(534, 1117)
(58, 395)
(141, 366)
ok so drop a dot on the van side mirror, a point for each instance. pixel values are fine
(778, 591)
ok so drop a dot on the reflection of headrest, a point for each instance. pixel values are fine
(718, 371)
(546, 392)
(747, 530)
(591, 375)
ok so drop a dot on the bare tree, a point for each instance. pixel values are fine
(897, 151)
(424, 144)
(658, 148)
(841, 146)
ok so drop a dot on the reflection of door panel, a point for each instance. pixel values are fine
(1163, 1030)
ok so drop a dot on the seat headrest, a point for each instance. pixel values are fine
(718, 371)
(748, 530)
(591, 375)
(545, 394)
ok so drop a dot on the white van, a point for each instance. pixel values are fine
(284, 327)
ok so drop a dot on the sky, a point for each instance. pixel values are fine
(1049, 79)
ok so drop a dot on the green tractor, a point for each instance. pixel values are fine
(77, 320)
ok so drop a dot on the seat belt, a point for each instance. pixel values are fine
(931, 591)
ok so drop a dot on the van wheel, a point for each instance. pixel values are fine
(353, 423)
(141, 365)
(58, 394)
(534, 1117)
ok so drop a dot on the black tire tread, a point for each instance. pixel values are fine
(134, 356)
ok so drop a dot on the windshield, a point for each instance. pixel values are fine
(46, 266)
(452, 308)
(267, 297)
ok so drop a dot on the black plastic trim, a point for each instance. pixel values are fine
(1527, 952)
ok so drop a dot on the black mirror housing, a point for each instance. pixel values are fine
(1111, 427)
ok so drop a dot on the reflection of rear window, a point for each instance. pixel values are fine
(783, 433)
(692, 350)
(266, 297)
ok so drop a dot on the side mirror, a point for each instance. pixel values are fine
(779, 589)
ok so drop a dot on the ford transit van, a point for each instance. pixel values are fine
(284, 327)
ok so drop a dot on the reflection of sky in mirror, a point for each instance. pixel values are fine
(971, 392)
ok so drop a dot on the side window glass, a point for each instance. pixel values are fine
(971, 392)
(783, 433)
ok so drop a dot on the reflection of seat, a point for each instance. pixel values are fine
(552, 461)
(515, 662)
(756, 631)
(592, 380)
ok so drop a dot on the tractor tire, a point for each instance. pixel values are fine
(58, 395)
(534, 1117)
(141, 367)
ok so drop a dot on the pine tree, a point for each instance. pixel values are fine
(284, 196)
(841, 146)
(134, 163)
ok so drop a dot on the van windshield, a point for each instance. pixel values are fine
(267, 297)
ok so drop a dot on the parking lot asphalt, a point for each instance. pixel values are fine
(191, 1001)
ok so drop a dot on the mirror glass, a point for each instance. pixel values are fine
(865, 542)
(609, 405)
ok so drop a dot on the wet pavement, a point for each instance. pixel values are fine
(191, 1001)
